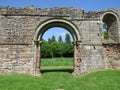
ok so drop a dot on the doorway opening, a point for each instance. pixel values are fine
(38, 42)
(57, 51)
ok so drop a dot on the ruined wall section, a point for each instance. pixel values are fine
(91, 53)
(112, 56)
(91, 32)
(111, 50)
(115, 26)
(74, 13)
(99, 55)
(90, 48)
(16, 49)
(92, 43)
(118, 12)
(16, 59)
(17, 27)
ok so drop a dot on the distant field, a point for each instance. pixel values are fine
(57, 64)
(57, 61)
(61, 80)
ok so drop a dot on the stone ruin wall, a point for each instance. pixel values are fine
(112, 56)
(17, 28)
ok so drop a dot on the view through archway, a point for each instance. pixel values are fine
(42, 28)
(110, 27)
(57, 51)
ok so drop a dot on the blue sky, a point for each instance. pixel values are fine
(56, 31)
(87, 5)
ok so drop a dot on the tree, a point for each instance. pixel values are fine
(55, 47)
(45, 50)
(52, 48)
(49, 40)
(60, 39)
(67, 39)
(53, 39)
(68, 50)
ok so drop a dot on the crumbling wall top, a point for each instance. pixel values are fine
(31, 10)
(74, 13)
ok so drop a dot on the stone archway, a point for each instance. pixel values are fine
(54, 22)
(111, 20)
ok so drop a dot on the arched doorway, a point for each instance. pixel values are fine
(54, 22)
(110, 23)
(56, 51)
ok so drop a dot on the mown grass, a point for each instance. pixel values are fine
(57, 75)
(62, 80)
(57, 61)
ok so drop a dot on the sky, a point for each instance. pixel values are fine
(58, 31)
(87, 5)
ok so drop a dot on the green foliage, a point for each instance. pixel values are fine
(52, 48)
(46, 49)
(105, 35)
(68, 50)
(49, 40)
(67, 39)
(60, 39)
(62, 80)
(53, 39)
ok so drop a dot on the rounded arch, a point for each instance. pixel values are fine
(56, 22)
(109, 12)
(42, 28)
(111, 19)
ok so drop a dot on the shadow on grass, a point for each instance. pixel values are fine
(55, 70)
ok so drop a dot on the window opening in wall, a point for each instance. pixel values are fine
(110, 28)
(105, 31)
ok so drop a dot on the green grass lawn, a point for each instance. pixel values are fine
(62, 80)
(57, 61)
(57, 75)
